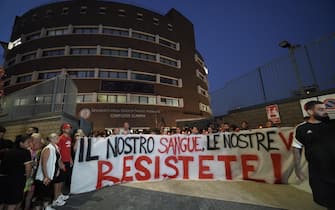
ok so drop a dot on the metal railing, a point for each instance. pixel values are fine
(306, 69)
(56, 95)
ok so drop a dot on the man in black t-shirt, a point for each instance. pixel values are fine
(317, 136)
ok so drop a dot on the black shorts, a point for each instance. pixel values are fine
(60, 178)
(64, 176)
(43, 193)
(11, 190)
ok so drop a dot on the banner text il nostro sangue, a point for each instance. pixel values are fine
(262, 155)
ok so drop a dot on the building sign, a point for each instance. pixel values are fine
(124, 113)
(272, 112)
(11, 45)
(328, 100)
(264, 155)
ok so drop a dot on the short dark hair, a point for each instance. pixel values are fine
(20, 139)
(2, 129)
(35, 129)
(311, 104)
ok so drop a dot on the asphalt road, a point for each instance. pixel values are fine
(194, 195)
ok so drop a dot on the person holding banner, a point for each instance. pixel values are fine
(126, 129)
(317, 136)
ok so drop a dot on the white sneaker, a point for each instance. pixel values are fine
(58, 202)
(49, 208)
(63, 197)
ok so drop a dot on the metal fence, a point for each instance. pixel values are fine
(56, 95)
(306, 69)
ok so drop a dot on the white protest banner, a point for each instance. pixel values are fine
(262, 155)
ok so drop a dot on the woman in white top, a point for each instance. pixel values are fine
(47, 173)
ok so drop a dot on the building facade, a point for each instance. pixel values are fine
(129, 63)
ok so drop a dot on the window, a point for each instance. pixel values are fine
(23, 21)
(102, 10)
(91, 30)
(83, 51)
(49, 13)
(198, 59)
(168, 61)
(167, 43)
(170, 27)
(34, 17)
(168, 81)
(121, 13)
(48, 75)
(144, 37)
(83, 10)
(81, 74)
(65, 11)
(56, 52)
(156, 21)
(143, 56)
(127, 87)
(33, 36)
(202, 91)
(201, 76)
(135, 99)
(113, 74)
(11, 62)
(116, 32)
(114, 52)
(144, 100)
(121, 99)
(205, 108)
(170, 101)
(84, 98)
(26, 78)
(29, 56)
(56, 32)
(103, 98)
(143, 77)
(21, 101)
(42, 100)
(139, 16)
(152, 100)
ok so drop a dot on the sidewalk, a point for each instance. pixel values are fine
(170, 194)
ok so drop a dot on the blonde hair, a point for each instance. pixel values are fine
(52, 136)
(36, 136)
(80, 132)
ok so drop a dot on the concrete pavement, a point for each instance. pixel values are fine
(172, 194)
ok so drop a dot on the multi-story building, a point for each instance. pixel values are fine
(129, 63)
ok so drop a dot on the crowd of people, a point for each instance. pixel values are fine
(36, 171)
(224, 127)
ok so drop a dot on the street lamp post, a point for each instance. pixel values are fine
(291, 49)
(311, 67)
